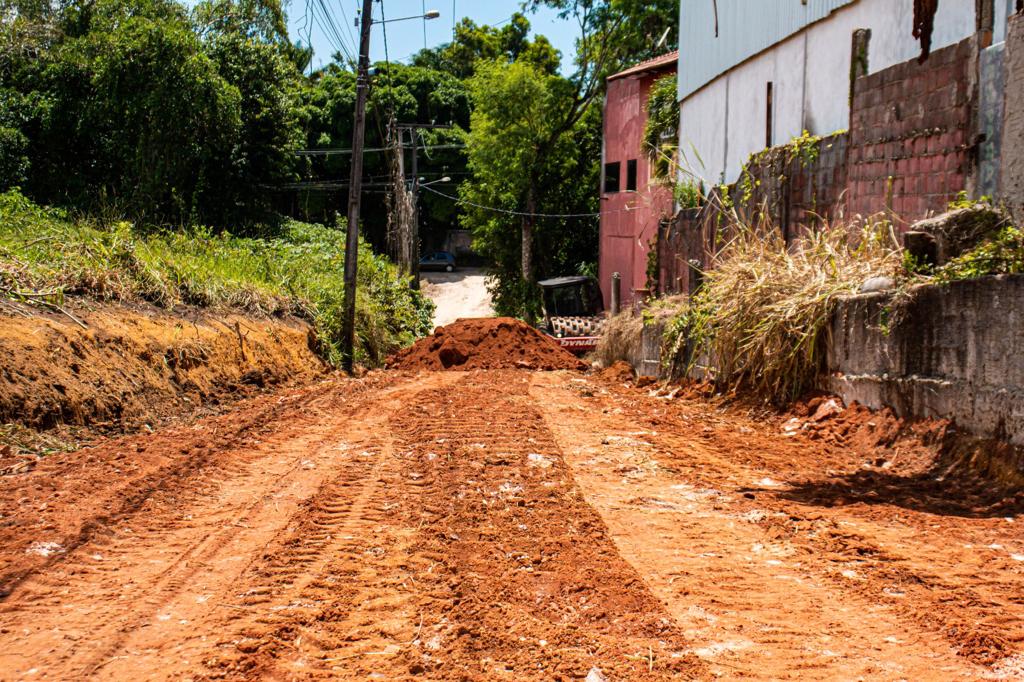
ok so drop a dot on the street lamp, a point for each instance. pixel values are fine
(434, 182)
(430, 14)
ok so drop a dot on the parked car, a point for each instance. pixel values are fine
(439, 260)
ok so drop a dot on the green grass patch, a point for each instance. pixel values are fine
(1001, 255)
(46, 255)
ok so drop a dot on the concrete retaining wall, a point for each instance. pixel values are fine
(955, 351)
(1012, 172)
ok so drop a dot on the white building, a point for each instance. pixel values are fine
(779, 67)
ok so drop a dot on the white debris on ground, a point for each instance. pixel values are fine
(45, 548)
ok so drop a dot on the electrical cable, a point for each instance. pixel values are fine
(342, 46)
(521, 213)
(331, 39)
(348, 26)
(339, 151)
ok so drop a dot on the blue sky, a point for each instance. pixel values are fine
(404, 38)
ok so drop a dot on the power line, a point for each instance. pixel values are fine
(348, 24)
(330, 29)
(387, 63)
(520, 213)
(339, 151)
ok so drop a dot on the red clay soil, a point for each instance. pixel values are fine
(508, 525)
(486, 343)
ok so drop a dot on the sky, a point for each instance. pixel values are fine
(405, 38)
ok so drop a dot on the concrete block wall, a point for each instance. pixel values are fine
(796, 190)
(953, 351)
(910, 135)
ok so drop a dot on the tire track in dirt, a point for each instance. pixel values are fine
(772, 587)
(473, 559)
(113, 606)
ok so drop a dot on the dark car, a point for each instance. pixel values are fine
(439, 260)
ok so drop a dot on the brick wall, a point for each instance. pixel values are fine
(910, 130)
(794, 186)
(908, 153)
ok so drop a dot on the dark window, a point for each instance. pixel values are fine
(631, 175)
(768, 122)
(612, 171)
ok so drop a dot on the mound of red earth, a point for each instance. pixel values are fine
(486, 343)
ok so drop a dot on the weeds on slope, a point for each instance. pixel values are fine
(45, 255)
(761, 320)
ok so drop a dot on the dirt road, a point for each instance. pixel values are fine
(501, 525)
(462, 293)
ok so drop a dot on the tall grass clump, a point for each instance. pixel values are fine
(46, 255)
(620, 339)
(761, 319)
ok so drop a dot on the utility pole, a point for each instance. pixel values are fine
(348, 329)
(414, 186)
(414, 261)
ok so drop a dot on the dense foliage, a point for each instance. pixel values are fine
(662, 127)
(138, 107)
(45, 255)
(521, 163)
(171, 116)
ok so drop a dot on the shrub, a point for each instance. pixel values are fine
(1003, 254)
(761, 318)
(45, 255)
(620, 338)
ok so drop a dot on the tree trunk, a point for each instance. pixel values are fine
(527, 248)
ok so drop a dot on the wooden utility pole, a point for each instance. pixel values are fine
(414, 187)
(414, 262)
(348, 329)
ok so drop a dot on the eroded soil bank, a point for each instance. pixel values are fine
(112, 368)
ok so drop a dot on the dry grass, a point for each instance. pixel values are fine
(763, 314)
(620, 339)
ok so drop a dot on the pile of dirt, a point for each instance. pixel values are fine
(620, 372)
(486, 343)
(115, 368)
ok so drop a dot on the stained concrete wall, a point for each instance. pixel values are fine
(953, 352)
(1012, 164)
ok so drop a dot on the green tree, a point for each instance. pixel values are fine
(139, 116)
(416, 94)
(481, 43)
(521, 159)
(248, 42)
(526, 124)
(661, 131)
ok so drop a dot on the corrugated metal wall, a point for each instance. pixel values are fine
(745, 28)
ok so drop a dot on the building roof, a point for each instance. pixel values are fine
(661, 63)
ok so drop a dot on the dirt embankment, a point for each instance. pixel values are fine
(486, 343)
(126, 367)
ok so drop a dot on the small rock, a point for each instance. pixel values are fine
(873, 284)
(595, 675)
(827, 410)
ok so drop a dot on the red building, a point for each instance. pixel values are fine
(631, 205)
